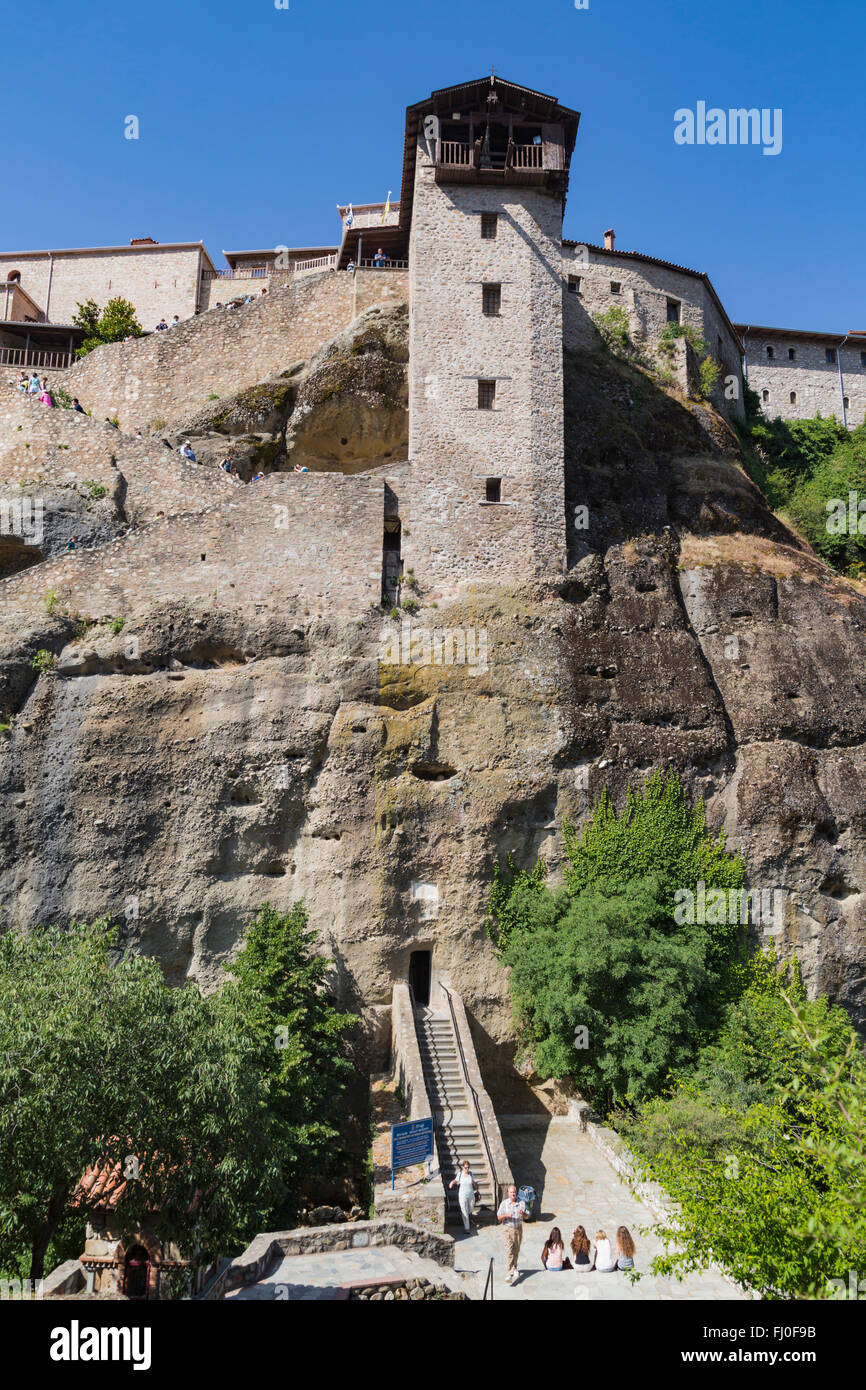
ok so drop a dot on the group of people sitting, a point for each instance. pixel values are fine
(604, 1260)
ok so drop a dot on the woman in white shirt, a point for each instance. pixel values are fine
(604, 1263)
(465, 1192)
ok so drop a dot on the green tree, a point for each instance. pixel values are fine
(102, 1063)
(111, 325)
(280, 987)
(608, 990)
(760, 1144)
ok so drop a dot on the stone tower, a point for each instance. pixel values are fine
(485, 177)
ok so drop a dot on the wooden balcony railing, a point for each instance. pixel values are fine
(388, 264)
(453, 152)
(529, 156)
(34, 357)
(261, 272)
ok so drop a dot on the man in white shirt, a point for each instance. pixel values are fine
(511, 1216)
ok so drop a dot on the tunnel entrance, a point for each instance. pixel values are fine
(420, 971)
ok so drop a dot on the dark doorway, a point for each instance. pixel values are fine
(419, 976)
(136, 1272)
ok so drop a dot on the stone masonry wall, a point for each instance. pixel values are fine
(813, 380)
(644, 291)
(156, 280)
(55, 447)
(319, 535)
(455, 446)
(168, 376)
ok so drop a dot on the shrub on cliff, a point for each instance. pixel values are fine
(110, 325)
(610, 988)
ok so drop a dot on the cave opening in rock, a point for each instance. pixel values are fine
(392, 544)
(420, 973)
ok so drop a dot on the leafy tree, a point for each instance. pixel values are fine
(606, 952)
(760, 1144)
(102, 1063)
(658, 833)
(280, 986)
(111, 325)
(608, 990)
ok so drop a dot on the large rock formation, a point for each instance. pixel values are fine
(256, 744)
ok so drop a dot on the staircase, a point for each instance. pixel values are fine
(458, 1131)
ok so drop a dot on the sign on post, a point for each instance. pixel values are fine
(410, 1143)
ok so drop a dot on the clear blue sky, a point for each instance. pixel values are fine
(255, 122)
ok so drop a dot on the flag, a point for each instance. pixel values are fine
(387, 206)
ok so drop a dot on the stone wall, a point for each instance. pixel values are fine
(320, 535)
(260, 1255)
(44, 447)
(813, 381)
(168, 376)
(158, 280)
(644, 291)
(400, 1290)
(454, 445)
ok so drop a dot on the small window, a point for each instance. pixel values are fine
(830, 354)
(615, 287)
(491, 299)
(673, 311)
(793, 397)
(863, 359)
(846, 402)
(792, 354)
(574, 288)
(486, 394)
(493, 490)
(488, 225)
(765, 397)
(770, 354)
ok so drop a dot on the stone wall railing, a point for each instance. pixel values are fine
(259, 1257)
(489, 1122)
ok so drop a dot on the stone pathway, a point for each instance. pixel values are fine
(575, 1185)
(305, 1277)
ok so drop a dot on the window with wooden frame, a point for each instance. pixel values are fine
(486, 395)
(489, 222)
(574, 284)
(491, 300)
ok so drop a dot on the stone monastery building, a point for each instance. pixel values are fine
(494, 288)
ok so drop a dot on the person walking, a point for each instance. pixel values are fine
(511, 1216)
(34, 386)
(465, 1192)
(44, 393)
(186, 452)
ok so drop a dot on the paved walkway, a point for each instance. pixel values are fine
(575, 1185)
(307, 1277)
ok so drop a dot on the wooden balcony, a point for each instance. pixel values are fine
(458, 162)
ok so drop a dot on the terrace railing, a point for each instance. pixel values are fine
(34, 357)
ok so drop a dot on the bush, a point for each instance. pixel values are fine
(111, 325)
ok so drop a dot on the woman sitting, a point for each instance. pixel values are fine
(604, 1263)
(553, 1254)
(624, 1249)
(580, 1248)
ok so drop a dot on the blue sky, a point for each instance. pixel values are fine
(255, 122)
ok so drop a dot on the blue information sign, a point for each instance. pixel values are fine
(411, 1143)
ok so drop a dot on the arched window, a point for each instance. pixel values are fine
(765, 397)
(793, 398)
(770, 354)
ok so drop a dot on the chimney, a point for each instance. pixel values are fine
(609, 239)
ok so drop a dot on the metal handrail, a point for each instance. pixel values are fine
(473, 1093)
(488, 1283)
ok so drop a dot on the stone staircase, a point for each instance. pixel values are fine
(458, 1133)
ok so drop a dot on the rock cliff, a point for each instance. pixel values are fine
(261, 746)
